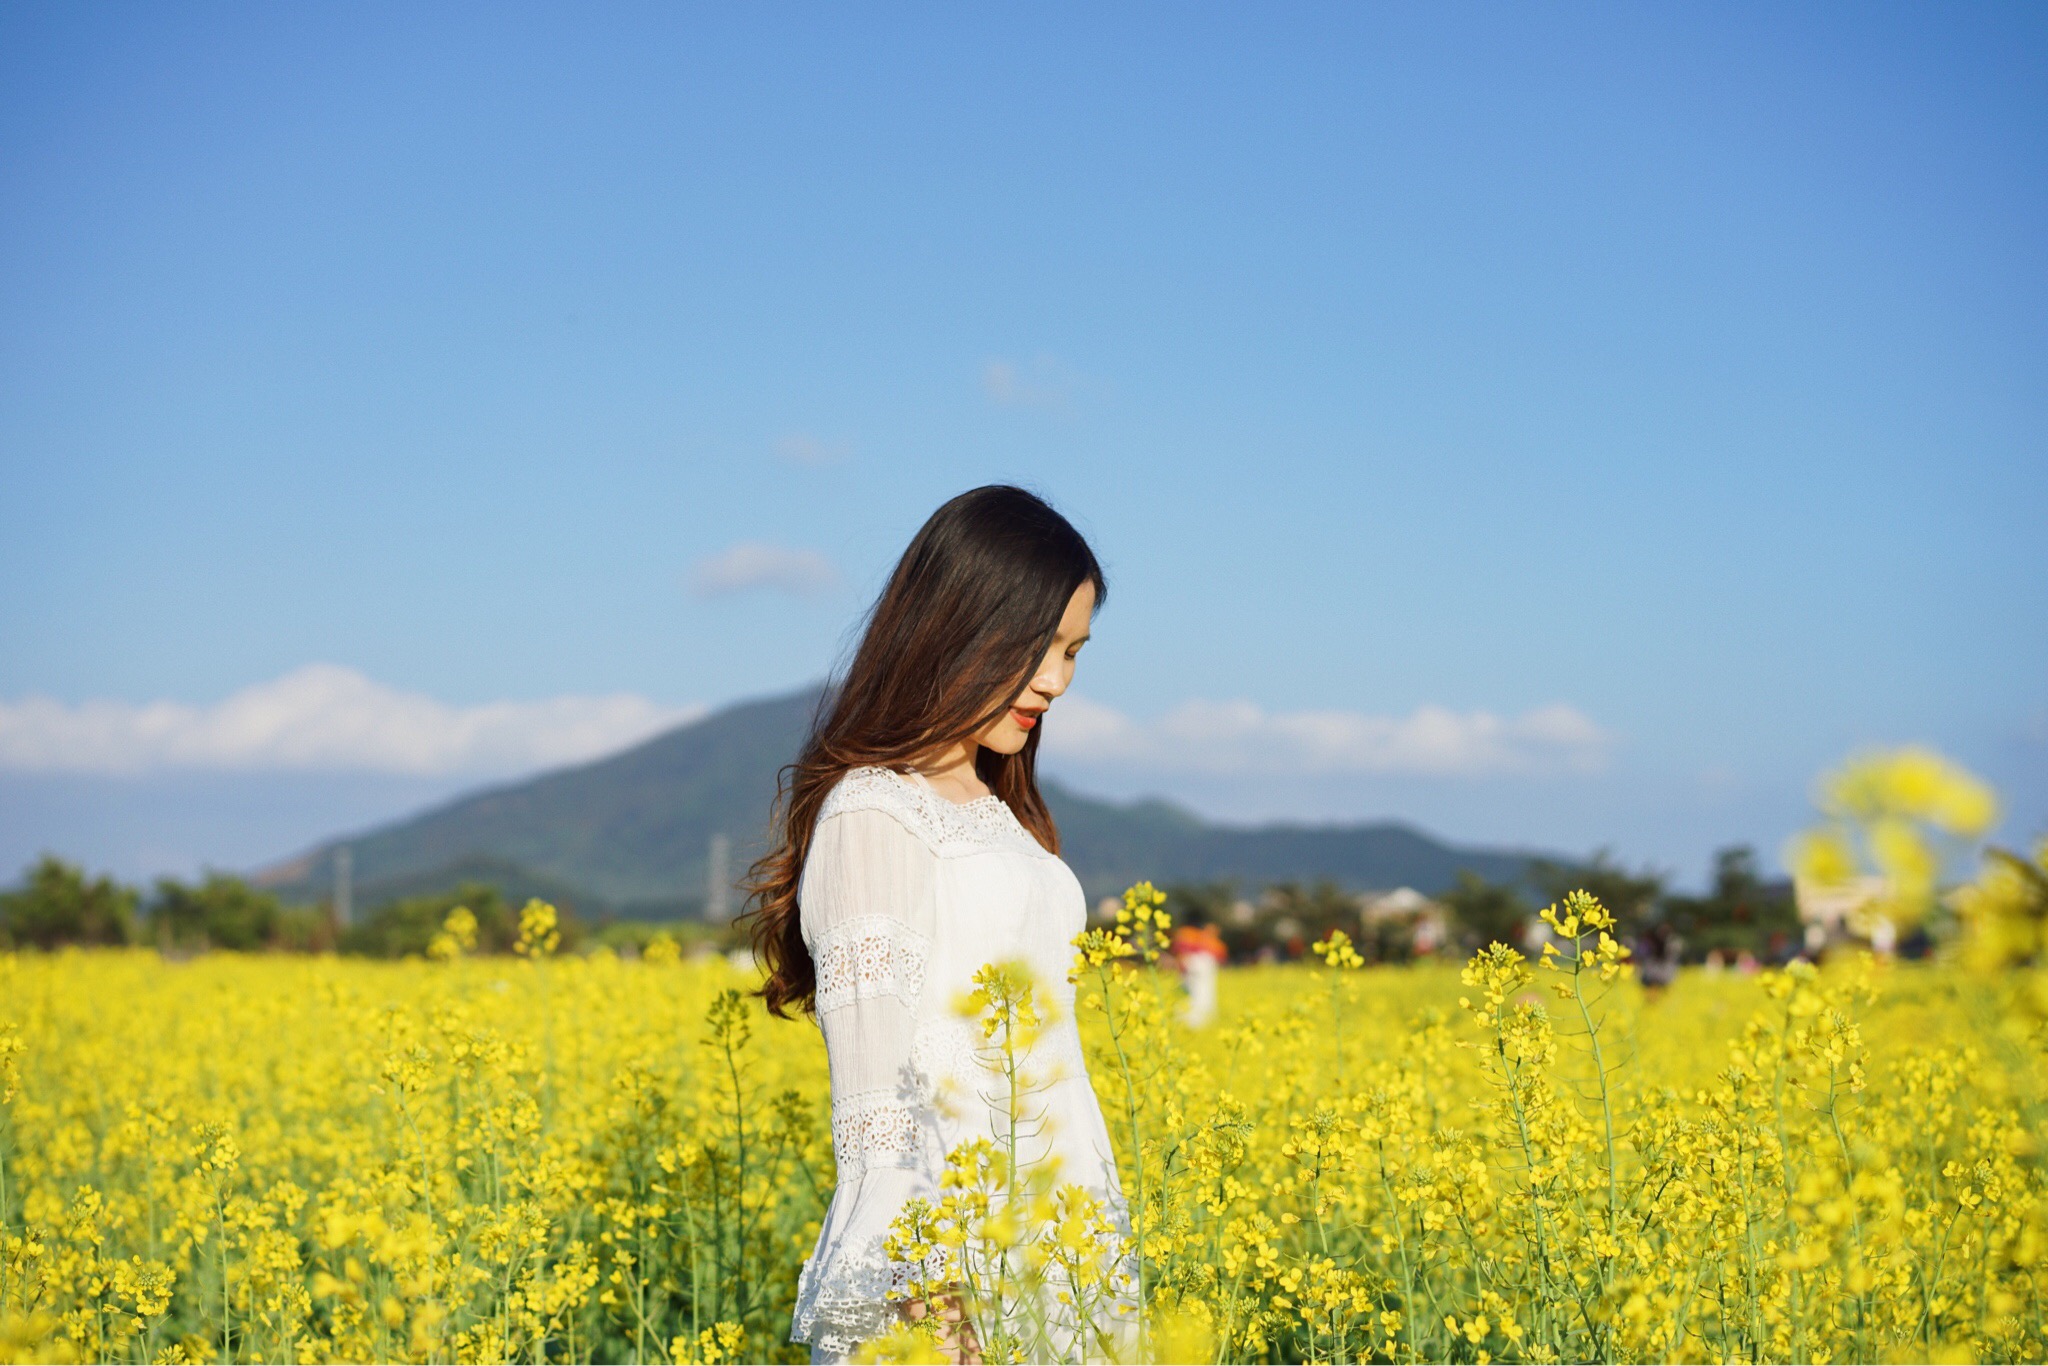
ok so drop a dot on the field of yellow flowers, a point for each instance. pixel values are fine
(584, 1158)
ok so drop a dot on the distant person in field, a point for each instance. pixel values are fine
(1200, 952)
(1656, 957)
(911, 847)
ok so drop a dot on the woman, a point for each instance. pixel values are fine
(913, 847)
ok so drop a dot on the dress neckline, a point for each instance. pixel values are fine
(926, 784)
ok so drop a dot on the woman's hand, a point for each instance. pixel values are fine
(956, 1333)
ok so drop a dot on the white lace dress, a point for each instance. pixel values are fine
(905, 894)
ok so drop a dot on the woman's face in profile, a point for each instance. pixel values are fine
(1008, 732)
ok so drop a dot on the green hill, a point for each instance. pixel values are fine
(630, 835)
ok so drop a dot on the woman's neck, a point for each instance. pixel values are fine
(952, 774)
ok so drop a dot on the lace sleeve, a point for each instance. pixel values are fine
(866, 911)
(866, 908)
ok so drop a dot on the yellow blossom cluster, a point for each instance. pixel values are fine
(1897, 813)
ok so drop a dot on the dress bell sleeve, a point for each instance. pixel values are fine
(866, 907)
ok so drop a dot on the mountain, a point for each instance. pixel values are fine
(630, 835)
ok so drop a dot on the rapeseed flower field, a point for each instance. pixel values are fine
(307, 1159)
(1523, 1158)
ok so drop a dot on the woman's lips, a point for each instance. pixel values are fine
(1026, 719)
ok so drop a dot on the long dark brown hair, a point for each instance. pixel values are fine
(969, 612)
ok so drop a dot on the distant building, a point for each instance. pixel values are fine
(1375, 907)
(1427, 920)
(1834, 912)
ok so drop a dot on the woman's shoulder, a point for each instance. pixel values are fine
(889, 797)
(869, 787)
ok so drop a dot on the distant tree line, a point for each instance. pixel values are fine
(1742, 912)
(58, 904)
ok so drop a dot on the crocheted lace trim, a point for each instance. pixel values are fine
(855, 1307)
(947, 828)
(865, 956)
(874, 1129)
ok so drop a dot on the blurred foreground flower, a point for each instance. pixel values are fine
(1889, 818)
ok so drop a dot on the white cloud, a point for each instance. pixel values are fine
(1044, 382)
(325, 717)
(757, 564)
(1242, 738)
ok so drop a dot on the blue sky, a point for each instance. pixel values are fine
(1561, 426)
